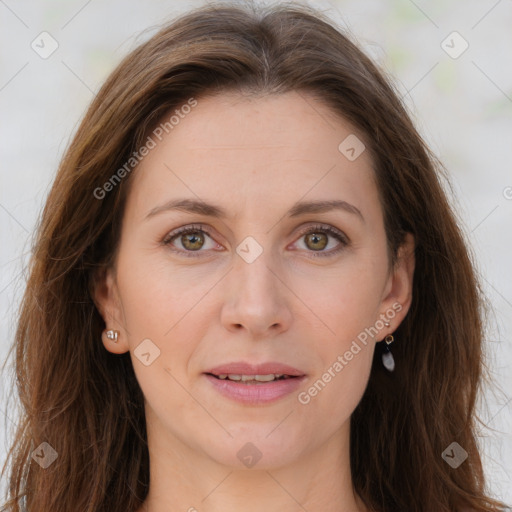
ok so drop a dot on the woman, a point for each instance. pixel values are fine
(248, 290)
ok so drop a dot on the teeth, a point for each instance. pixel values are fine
(246, 378)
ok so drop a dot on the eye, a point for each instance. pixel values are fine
(316, 239)
(189, 240)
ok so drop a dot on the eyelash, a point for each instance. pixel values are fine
(310, 229)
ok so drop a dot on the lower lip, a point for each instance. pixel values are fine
(255, 394)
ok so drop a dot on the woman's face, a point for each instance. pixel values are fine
(265, 275)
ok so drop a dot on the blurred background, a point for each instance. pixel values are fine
(451, 61)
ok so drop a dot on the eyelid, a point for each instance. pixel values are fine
(183, 230)
(326, 228)
(343, 239)
(331, 230)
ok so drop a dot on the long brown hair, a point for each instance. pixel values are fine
(86, 403)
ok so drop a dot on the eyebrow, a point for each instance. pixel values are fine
(211, 210)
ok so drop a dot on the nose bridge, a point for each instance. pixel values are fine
(256, 299)
(254, 281)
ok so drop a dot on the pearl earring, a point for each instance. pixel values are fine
(112, 335)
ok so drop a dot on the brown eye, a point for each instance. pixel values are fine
(192, 241)
(316, 241)
(322, 241)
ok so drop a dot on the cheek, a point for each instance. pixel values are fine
(345, 300)
(157, 305)
(344, 353)
(157, 296)
(346, 306)
(162, 305)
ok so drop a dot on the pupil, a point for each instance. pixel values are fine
(192, 239)
(315, 238)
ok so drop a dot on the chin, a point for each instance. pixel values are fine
(256, 451)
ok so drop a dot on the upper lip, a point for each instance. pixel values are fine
(243, 368)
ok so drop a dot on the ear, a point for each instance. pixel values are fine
(105, 295)
(398, 291)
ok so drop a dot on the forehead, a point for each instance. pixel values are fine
(229, 123)
(245, 149)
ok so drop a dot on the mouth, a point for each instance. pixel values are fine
(252, 385)
(262, 372)
(253, 379)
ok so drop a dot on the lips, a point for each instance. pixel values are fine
(255, 384)
(241, 368)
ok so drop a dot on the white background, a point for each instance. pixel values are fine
(462, 106)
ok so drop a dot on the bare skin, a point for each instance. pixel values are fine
(301, 302)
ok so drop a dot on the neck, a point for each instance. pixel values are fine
(185, 480)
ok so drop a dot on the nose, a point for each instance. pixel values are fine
(256, 298)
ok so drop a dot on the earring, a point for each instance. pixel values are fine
(112, 335)
(387, 357)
